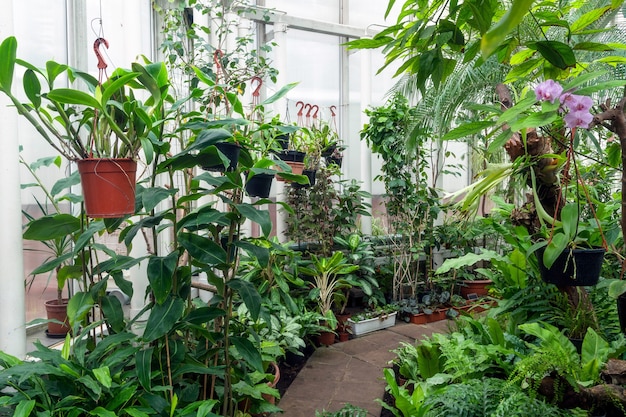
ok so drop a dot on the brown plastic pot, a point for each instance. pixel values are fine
(58, 312)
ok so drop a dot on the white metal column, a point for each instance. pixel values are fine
(280, 61)
(365, 153)
(12, 296)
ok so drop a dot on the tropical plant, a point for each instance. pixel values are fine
(330, 276)
(108, 121)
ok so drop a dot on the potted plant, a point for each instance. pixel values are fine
(372, 320)
(103, 130)
(329, 279)
(573, 248)
(56, 231)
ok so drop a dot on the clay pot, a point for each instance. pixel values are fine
(58, 312)
(108, 186)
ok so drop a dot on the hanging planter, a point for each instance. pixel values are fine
(230, 151)
(310, 174)
(108, 186)
(336, 160)
(573, 267)
(259, 185)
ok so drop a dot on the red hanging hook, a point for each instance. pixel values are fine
(96, 48)
(257, 90)
(301, 104)
(310, 107)
(332, 111)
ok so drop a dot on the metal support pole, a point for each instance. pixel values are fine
(365, 152)
(280, 37)
(12, 296)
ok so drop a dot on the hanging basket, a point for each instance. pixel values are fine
(574, 267)
(230, 151)
(108, 186)
(259, 185)
(296, 169)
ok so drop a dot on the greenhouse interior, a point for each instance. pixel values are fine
(324, 208)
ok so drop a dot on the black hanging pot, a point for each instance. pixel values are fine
(574, 267)
(283, 141)
(259, 185)
(310, 173)
(329, 150)
(334, 160)
(230, 151)
(292, 156)
(621, 312)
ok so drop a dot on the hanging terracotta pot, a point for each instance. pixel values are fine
(574, 267)
(58, 312)
(108, 186)
(259, 185)
(296, 169)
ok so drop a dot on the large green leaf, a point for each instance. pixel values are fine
(557, 53)
(79, 306)
(162, 318)
(262, 217)
(161, 274)
(113, 312)
(24, 408)
(204, 315)
(76, 97)
(498, 33)
(143, 365)
(203, 249)
(52, 227)
(32, 87)
(8, 51)
(249, 295)
(248, 352)
(467, 129)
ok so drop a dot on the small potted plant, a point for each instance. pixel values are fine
(329, 279)
(103, 130)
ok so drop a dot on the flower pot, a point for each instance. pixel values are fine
(478, 287)
(296, 169)
(370, 325)
(326, 338)
(260, 185)
(419, 318)
(58, 312)
(292, 156)
(283, 141)
(344, 336)
(272, 384)
(437, 315)
(330, 160)
(230, 151)
(310, 174)
(621, 312)
(328, 151)
(574, 267)
(108, 186)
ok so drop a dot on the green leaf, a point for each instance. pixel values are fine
(151, 197)
(556, 53)
(102, 412)
(587, 19)
(203, 249)
(249, 294)
(143, 364)
(161, 274)
(204, 315)
(467, 129)
(113, 312)
(569, 220)
(468, 259)
(103, 375)
(25, 407)
(496, 36)
(262, 217)
(248, 352)
(162, 318)
(76, 97)
(8, 51)
(66, 182)
(78, 307)
(51, 227)
(32, 88)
